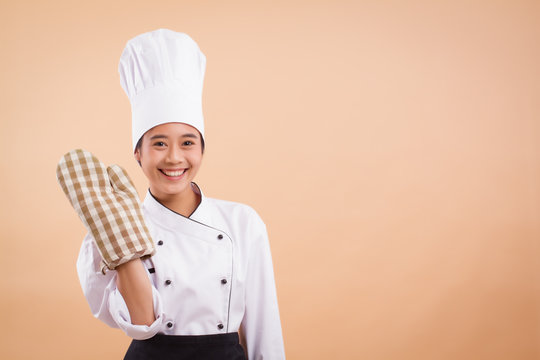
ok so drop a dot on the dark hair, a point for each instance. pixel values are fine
(139, 144)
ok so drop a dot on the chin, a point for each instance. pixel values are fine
(174, 190)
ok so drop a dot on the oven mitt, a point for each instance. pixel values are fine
(108, 205)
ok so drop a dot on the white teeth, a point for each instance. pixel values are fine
(173, 173)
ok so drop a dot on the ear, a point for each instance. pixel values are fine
(137, 156)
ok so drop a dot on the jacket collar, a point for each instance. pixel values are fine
(171, 219)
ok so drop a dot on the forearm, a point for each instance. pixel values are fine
(134, 285)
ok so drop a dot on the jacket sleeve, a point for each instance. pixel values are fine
(261, 325)
(106, 302)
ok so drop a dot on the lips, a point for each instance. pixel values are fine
(173, 173)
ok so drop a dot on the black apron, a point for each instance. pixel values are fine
(187, 347)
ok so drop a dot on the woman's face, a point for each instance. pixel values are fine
(170, 156)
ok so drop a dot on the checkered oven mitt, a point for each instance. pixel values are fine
(108, 205)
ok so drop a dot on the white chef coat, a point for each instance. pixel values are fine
(211, 274)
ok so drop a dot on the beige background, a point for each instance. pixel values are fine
(392, 148)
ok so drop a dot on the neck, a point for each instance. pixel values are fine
(183, 204)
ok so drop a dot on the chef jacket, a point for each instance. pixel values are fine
(211, 274)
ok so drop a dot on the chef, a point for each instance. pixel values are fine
(209, 290)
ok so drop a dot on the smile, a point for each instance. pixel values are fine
(173, 173)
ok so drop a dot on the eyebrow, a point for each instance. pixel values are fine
(162, 136)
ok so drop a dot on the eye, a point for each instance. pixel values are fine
(159, 143)
(187, 143)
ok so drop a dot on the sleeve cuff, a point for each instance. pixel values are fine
(120, 314)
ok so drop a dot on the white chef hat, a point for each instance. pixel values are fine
(162, 73)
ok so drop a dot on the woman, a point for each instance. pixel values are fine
(211, 276)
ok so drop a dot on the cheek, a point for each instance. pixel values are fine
(148, 163)
(195, 161)
(145, 168)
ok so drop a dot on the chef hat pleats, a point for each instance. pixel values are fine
(162, 73)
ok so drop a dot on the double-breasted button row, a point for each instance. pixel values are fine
(219, 326)
(224, 281)
(220, 237)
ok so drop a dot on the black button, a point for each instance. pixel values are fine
(220, 236)
(223, 281)
(160, 242)
(220, 326)
(168, 282)
(169, 324)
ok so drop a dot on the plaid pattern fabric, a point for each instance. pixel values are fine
(107, 203)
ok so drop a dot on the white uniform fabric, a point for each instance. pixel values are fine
(212, 274)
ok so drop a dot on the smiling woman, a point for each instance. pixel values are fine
(189, 300)
(170, 158)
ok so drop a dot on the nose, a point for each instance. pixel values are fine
(175, 155)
